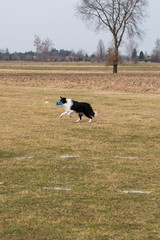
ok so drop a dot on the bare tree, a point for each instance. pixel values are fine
(117, 16)
(43, 48)
(156, 51)
(101, 51)
(130, 46)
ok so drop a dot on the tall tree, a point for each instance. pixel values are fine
(156, 51)
(134, 56)
(130, 46)
(141, 56)
(43, 48)
(101, 51)
(117, 16)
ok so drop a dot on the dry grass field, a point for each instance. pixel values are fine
(85, 181)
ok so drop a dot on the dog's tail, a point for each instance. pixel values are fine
(95, 114)
(91, 112)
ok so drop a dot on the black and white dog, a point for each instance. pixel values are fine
(82, 108)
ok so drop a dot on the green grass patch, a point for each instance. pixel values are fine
(69, 68)
(84, 68)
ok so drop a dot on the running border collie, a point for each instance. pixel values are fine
(82, 108)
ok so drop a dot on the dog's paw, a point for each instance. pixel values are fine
(77, 121)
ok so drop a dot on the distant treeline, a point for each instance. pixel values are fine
(46, 53)
(48, 56)
(69, 56)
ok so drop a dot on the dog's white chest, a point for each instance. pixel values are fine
(68, 105)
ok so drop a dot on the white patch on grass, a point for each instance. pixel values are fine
(125, 157)
(136, 191)
(70, 156)
(1, 183)
(57, 188)
(21, 158)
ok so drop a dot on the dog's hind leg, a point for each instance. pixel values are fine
(89, 116)
(80, 117)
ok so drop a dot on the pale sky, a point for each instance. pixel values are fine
(20, 20)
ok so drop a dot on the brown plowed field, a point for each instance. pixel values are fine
(145, 80)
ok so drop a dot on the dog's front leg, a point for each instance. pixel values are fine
(70, 112)
(64, 113)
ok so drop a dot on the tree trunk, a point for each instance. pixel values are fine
(115, 68)
(116, 58)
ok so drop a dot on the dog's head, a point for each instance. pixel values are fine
(63, 100)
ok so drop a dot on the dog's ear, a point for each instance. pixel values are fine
(60, 97)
